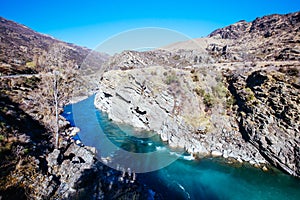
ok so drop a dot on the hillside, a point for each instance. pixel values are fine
(30, 167)
(233, 94)
(26, 51)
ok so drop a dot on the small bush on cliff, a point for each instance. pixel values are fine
(219, 90)
(249, 94)
(31, 64)
(208, 100)
(199, 91)
(171, 78)
(230, 101)
(176, 57)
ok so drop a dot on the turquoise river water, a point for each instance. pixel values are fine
(185, 178)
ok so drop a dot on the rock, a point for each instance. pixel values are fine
(75, 173)
(84, 154)
(53, 157)
(252, 162)
(74, 131)
(216, 153)
(225, 154)
(264, 168)
(63, 123)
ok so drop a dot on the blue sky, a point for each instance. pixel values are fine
(88, 23)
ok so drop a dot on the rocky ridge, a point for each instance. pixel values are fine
(269, 38)
(158, 57)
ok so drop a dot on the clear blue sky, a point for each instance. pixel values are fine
(87, 23)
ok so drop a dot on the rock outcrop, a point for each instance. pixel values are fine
(158, 57)
(269, 115)
(86, 177)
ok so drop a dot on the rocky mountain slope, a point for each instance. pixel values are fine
(240, 102)
(30, 167)
(273, 37)
(26, 51)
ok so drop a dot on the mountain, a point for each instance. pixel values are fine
(270, 38)
(234, 93)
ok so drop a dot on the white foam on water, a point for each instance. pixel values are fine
(150, 143)
(183, 189)
(190, 157)
(160, 148)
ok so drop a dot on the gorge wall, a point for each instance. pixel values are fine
(241, 103)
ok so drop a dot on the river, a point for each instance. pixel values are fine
(182, 177)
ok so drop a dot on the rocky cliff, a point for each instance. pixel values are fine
(240, 103)
(187, 108)
(269, 115)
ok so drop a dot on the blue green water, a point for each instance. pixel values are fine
(184, 178)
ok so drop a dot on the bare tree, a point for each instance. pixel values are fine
(55, 93)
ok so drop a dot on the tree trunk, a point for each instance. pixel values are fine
(55, 91)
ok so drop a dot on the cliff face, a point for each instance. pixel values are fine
(269, 115)
(189, 109)
(241, 102)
